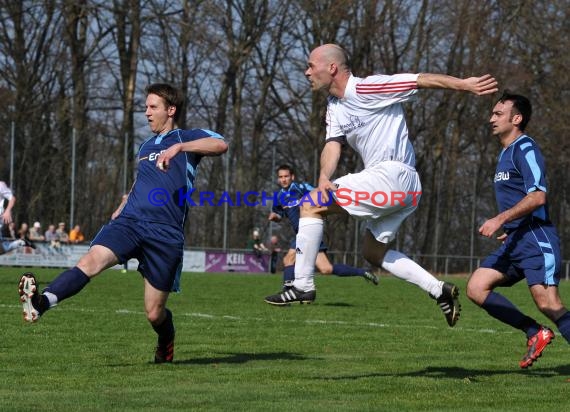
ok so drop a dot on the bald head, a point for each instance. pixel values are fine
(328, 69)
(333, 53)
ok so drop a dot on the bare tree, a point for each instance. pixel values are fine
(32, 82)
(241, 63)
(127, 39)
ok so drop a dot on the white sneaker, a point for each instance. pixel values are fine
(28, 296)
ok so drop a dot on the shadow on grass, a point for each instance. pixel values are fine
(459, 373)
(338, 304)
(242, 358)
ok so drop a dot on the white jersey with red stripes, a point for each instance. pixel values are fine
(371, 117)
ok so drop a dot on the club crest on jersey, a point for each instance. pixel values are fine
(353, 124)
(499, 176)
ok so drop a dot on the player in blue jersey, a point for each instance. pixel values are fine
(530, 246)
(287, 205)
(149, 225)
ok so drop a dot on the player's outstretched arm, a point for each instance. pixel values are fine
(207, 146)
(480, 86)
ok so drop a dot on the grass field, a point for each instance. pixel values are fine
(358, 348)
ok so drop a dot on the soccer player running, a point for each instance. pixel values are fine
(530, 245)
(150, 224)
(367, 113)
(287, 204)
(6, 194)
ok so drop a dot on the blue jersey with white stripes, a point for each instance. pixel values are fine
(288, 201)
(520, 171)
(159, 196)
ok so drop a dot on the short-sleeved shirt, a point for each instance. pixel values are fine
(5, 194)
(159, 196)
(520, 171)
(532, 247)
(288, 200)
(150, 226)
(371, 117)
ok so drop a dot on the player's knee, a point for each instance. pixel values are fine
(155, 315)
(476, 292)
(374, 256)
(373, 250)
(546, 309)
(471, 292)
(325, 269)
(369, 256)
(550, 310)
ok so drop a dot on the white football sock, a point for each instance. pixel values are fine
(52, 299)
(308, 242)
(405, 268)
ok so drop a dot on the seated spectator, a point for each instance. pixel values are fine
(75, 235)
(24, 231)
(52, 238)
(36, 233)
(62, 233)
(24, 236)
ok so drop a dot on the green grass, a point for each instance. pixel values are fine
(358, 348)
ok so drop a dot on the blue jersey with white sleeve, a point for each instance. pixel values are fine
(288, 201)
(159, 196)
(520, 171)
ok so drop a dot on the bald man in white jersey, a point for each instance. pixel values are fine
(367, 113)
(6, 195)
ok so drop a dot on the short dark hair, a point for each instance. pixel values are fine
(171, 95)
(285, 167)
(521, 105)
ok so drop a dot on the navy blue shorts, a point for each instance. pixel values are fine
(531, 252)
(293, 245)
(158, 247)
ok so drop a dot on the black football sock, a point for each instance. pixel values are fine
(67, 284)
(165, 330)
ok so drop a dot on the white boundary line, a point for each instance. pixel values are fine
(310, 322)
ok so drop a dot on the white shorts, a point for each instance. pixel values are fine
(383, 196)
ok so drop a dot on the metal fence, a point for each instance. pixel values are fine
(440, 265)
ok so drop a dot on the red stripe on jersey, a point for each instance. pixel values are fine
(386, 87)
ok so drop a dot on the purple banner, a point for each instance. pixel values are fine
(236, 262)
